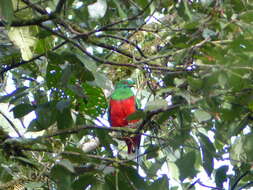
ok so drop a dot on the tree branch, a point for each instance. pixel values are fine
(86, 127)
(234, 186)
(130, 29)
(36, 7)
(124, 40)
(203, 185)
(249, 184)
(115, 49)
(106, 62)
(153, 113)
(34, 21)
(11, 123)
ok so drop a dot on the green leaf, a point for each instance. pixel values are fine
(142, 3)
(15, 93)
(122, 14)
(63, 104)
(174, 170)
(64, 119)
(5, 174)
(100, 78)
(33, 185)
(102, 81)
(202, 115)
(247, 16)
(222, 79)
(54, 72)
(84, 181)
(22, 109)
(242, 150)
(67, 164)
(90, 65)
(133, 176)
(186, 165)
(160, 183)
(22, 97)
(195, 84)
(34, 126)
(208, 151)
(152, 151)
(156, 104)
(151, 167)
(221, 176)
(105, 140)
(77, 90)
(66, 75)
(6, 10)
(45, 117)
(139, 114)
(62, 177)
(207, 33)
(26, 161)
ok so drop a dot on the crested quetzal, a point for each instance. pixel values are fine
(122, 104)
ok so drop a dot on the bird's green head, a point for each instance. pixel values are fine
(123, 90)
(125, 84)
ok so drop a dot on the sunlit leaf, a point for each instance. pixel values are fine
(202, 115)
(23, 38)
(156, 104)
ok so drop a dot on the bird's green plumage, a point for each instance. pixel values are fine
(123, 90)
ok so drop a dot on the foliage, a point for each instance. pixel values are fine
(192, 63)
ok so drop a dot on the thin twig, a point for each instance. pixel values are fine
(124, 40)
(25, 22)
(155, 112)
(36, 7)
(11, 123)
(130, 29)
(234, 186)
(115, 49)
(203, 185)
(246, 185)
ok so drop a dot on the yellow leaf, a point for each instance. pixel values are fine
(23, 39)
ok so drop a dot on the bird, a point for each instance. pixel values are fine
(123, 103)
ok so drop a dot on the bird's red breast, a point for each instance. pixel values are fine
(119, 110)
